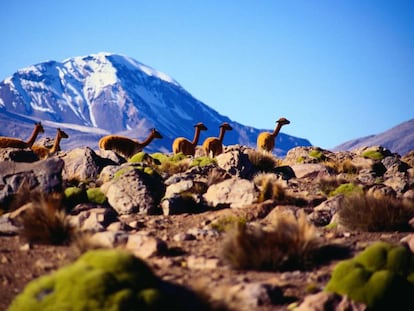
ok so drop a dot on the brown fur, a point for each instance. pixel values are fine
(125, 146)
(9, 142)
(185, 146)
(266, 140)
(43, 152)
(213, 146)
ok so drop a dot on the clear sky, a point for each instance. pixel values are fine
(337, 69)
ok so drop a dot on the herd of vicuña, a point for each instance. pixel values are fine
(127, 147)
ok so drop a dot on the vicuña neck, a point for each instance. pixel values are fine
(33, 137)
(196, 136)
(277, 130)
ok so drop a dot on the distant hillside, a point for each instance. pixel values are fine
(399, 139)
(100, 94)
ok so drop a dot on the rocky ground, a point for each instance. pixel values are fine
(183, 245)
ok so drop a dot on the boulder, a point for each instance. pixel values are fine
(133, 190)
(234, 193)
(19, 179)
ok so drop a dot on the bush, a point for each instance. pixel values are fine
(346, 189)
(379, 276)
(98, 280)
(373, 154)
(225, 224)
(95, 195)
(288, 244)
(366, 212)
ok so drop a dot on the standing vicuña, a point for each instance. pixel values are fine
(213, 146)
(43, 152)
(9, 142)
(125, 146)
(185, 146)
(266, 140)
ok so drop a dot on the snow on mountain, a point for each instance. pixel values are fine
(110, 93)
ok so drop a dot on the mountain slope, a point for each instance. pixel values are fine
(104, 93)
(399, 139)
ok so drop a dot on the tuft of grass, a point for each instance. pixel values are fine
(288, 244)
(365, 212)
(263, 161)
(317, 154)
(269, 187)
(44, 221)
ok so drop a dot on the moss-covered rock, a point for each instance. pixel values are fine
(98, 280)
(379, 276)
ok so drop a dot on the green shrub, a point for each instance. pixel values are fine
(224, 224)
(74, 196)
(373, 154)
(317, 154)
(203, 161)
(100, 280)
(95, 195)
(379, 276)
(346, 189)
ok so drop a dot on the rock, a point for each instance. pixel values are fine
(83, 164)
(201, 263)
(17, 155)
(135, 191)
(17, 177)
(92, 219)
(236, 162)
(109, 239)
(329, 301)
(145, 246)
(310, 170)
(232, 193)
(249, 296)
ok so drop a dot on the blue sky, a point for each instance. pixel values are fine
(337, 69)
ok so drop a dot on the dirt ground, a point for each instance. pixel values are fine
(21, 263)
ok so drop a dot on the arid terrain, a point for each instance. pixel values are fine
(185, 246)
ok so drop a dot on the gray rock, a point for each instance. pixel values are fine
(17, 177)
(135, 192)
(329, 301)
(83, 164)
(17, 155)
(234, 193)
(236, 163)
(145, 246)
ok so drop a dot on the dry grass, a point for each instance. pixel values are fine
(172, 167)
(263, 161)
(270, 187)
(44, 221)
(287, 244)
(365, 212)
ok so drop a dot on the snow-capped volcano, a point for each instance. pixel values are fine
(111, 93)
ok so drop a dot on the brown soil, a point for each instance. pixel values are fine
(21, 263)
